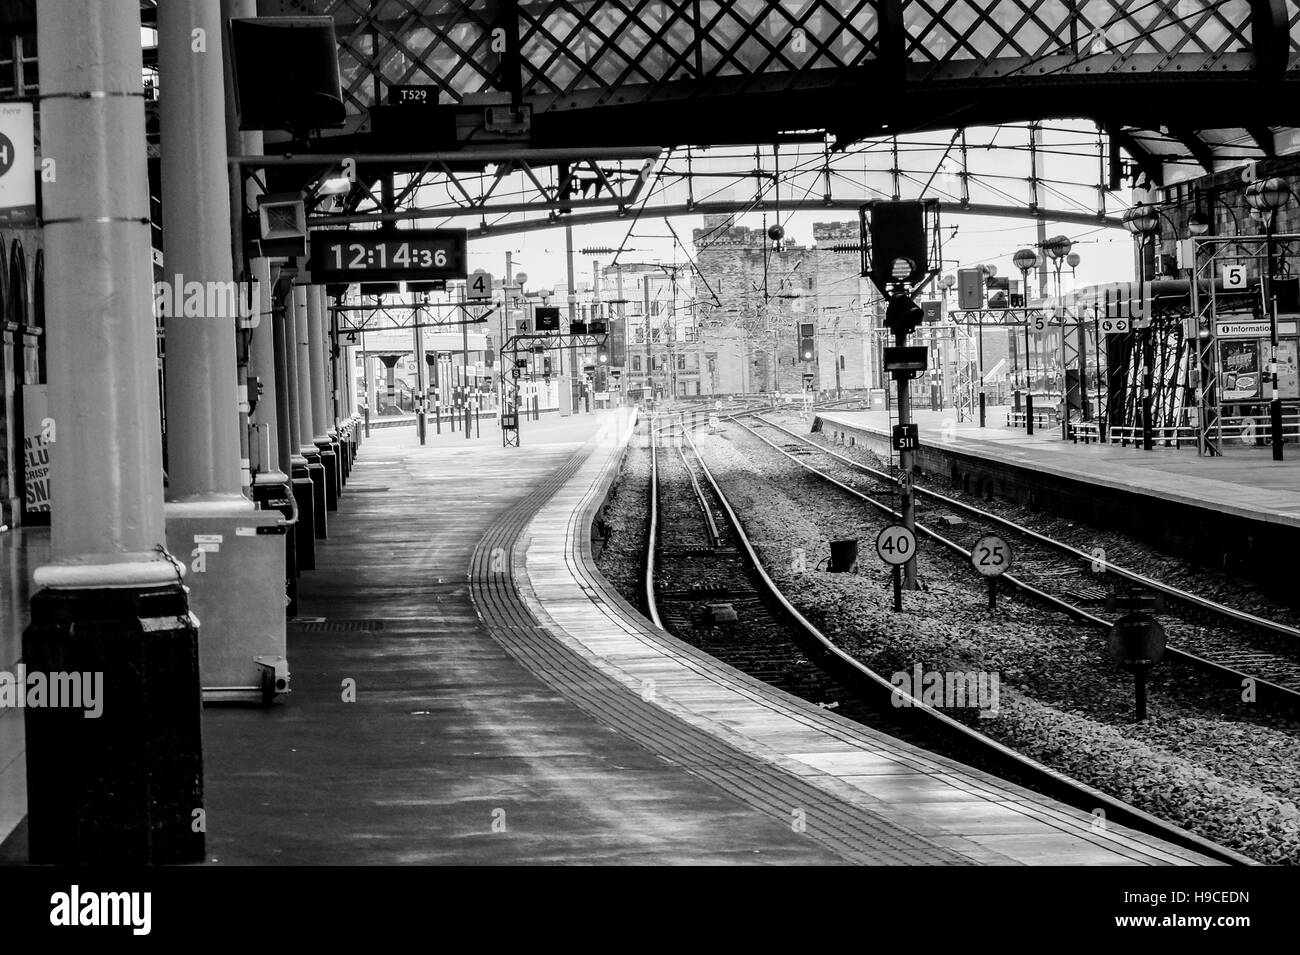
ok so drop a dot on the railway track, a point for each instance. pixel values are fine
(1228, 643)
(704, 582)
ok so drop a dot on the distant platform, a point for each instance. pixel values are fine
(1243, 481)
(1238, 513)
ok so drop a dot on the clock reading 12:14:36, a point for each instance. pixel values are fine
(411, 254)
(376, 256)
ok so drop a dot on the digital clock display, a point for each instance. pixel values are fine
(410, 255)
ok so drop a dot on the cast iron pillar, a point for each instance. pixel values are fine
(286, 384)
(306, 420)
(235, 551)
(323, 435)
(125, 787)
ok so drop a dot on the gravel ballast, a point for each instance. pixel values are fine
(1205, 760)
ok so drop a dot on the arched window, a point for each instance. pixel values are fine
(38, 290)
(18, 284)
(4, 286)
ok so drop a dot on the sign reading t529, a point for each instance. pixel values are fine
(409, 255)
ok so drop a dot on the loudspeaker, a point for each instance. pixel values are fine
(286, 73)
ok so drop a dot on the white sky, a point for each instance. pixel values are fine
(1107, 254)
(998, 160)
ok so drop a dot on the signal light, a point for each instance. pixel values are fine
(902, 315)
(602, 355)
(807, 341)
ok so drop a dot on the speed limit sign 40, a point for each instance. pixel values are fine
(896, 544)
(991, 556)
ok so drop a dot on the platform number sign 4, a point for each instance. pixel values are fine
(479, 286)
(1234, 276)
(896, 544)
(991, 556)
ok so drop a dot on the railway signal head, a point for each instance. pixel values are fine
(807, 341)
(902, 315)
(602, 355)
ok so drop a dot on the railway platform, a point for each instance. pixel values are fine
(1238, 513)
(468, 689)
(1244, 481)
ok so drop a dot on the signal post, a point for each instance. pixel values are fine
(900, 251)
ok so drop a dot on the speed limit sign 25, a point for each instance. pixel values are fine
(991, 556)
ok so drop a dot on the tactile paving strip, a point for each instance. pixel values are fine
(854, 833)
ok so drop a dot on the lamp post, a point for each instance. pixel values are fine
(1025, 260)
(1073, 260)
(1058, 248)
(1266, 196)
(1143, 221)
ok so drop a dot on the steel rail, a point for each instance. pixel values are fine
(1133, 576)
(1266, 689)
(1049, 781)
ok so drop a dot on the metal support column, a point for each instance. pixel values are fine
(286, 383)
(421, 385)
(323, 435)
(306, 415)
(237, 584)
(110, 600)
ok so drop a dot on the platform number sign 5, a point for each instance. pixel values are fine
(896, 544)
(1040, 323)
(1234, 276)
(991, 556)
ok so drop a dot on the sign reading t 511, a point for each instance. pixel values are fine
(409, 255)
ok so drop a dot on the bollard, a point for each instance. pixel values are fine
(1146, 422)
(1029, 413)
(982, 404)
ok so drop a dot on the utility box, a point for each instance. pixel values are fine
(234, 571)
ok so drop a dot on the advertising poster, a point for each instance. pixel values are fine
(1288, 369)
(1239, 365)
(17, 165)
(36, 449)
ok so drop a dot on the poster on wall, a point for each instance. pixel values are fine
(17, 165)
(1288, 370)
(37, 435)
(1239, 365)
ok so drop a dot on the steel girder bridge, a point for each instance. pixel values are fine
(587, 111)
